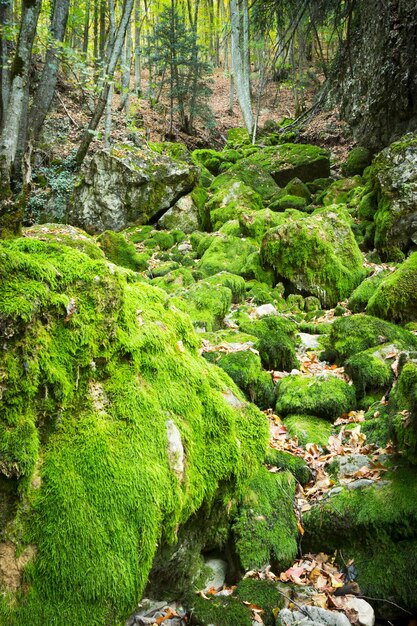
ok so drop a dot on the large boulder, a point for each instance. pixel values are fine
(113, 433)
(394, 175)
(290, 160)
(317, 254)
(127, 186)
(396, 296)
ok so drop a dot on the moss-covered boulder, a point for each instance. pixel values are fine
(234, 255)
(255, 224)
(394, 177)
(290, 160)
(67, 235)
(376, 527)
(263, 593)
(355, 333)
(296, 187)
(283, 460)
(328, 397)
(113, 432)
(207, 306)
(265, 528)
(317, 254)
(182, 216)
(357, 160)
(218, 611)
(121, 252)
(238, 138)
(288, 201)
(359, 299)
(245, 368)
(371, 370)
(129, 185)
(252, 175)
(276, 341)
(230, 200)
(396, 296)
(308, 429)
(210, 159)
(341, 191)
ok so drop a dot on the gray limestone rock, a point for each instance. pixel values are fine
(128, 186)
(182, 216)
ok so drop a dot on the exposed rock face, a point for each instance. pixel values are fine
(394, 174)
(129, 186)
(183, 216)
(375, 77)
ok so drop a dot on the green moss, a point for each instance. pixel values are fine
(359, 299)
(355, 333)
(376, 527)
(206, 306)
(261, 293)
(370, 370)
(68, 235)
(288, 201)
(396, 296)
(236, 284)
(230, 200)
(276, 341)
(174, 280)
(219, 611)
(327, 398)
(252, 175)
(265, 529)
(231, 228)
(119, 251)
(231, 254)
(289, 160)
(308, 429)
(357, 160)
(296, 187)
(262, 593)
(245, 369)
(404, 398)
(138, 234)
(284, 460)
(92, 371)
(176, 150)
(237, 138)
(317, 254)
(341, 191)
(210, 159)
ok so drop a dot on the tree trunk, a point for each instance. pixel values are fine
(113, 55)
(138, 80)
(241, 77)
(108, 115)
(126, 63)
(46, 89)
(5, 16)
(18, 88)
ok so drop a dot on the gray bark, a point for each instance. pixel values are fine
(18, 87)
(47, 84)
(241, 77)
(5, 16)
(138, 81)
(108, 115)
(111, 66)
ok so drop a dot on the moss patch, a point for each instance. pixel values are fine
(308, 429)
(396, 296)
(323, 398)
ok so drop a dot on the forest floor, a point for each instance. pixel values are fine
(148, 122)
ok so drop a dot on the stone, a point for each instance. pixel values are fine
(317, 254)
(127, 186)
(265, 309)
(175, 449)
(217, 576)
(312, 616)
(351, 463)
(366, 614)
(394, 175)
(182, 216)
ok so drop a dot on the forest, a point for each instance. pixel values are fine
(208, 312)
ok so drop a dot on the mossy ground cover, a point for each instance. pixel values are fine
(95, 366)
(327, 398)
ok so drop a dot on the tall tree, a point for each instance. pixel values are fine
(239, 62)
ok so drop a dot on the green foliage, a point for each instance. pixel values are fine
(95, 365)
(265, 528)
(53, 187)
(370, 370)
(326, 398)
(206, 306)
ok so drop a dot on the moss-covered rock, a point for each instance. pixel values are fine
(129, 185)
(296, 187)
(238, 138)
(183, 216)
(230, 200)
(265, 529)
(308, 429)
(371, 370)
(396, 296)
(357, 160)
(317, 254)
(341, 191)
(210, 159)
(377, 528)
(205, 305)
(102, 387)
(394, 178)
(235, 283)
(276, 341)
(218, 611)
(245, 369)
(355, 333)
(174, 280)
(404, 398)
(252, 175)
(234, 255)
(255, 224)
(288, 201)
(119, 251)
(284, 460)
(67, 235)
(359, 299)
(262, 593)
(327, 398)
(289, 160)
